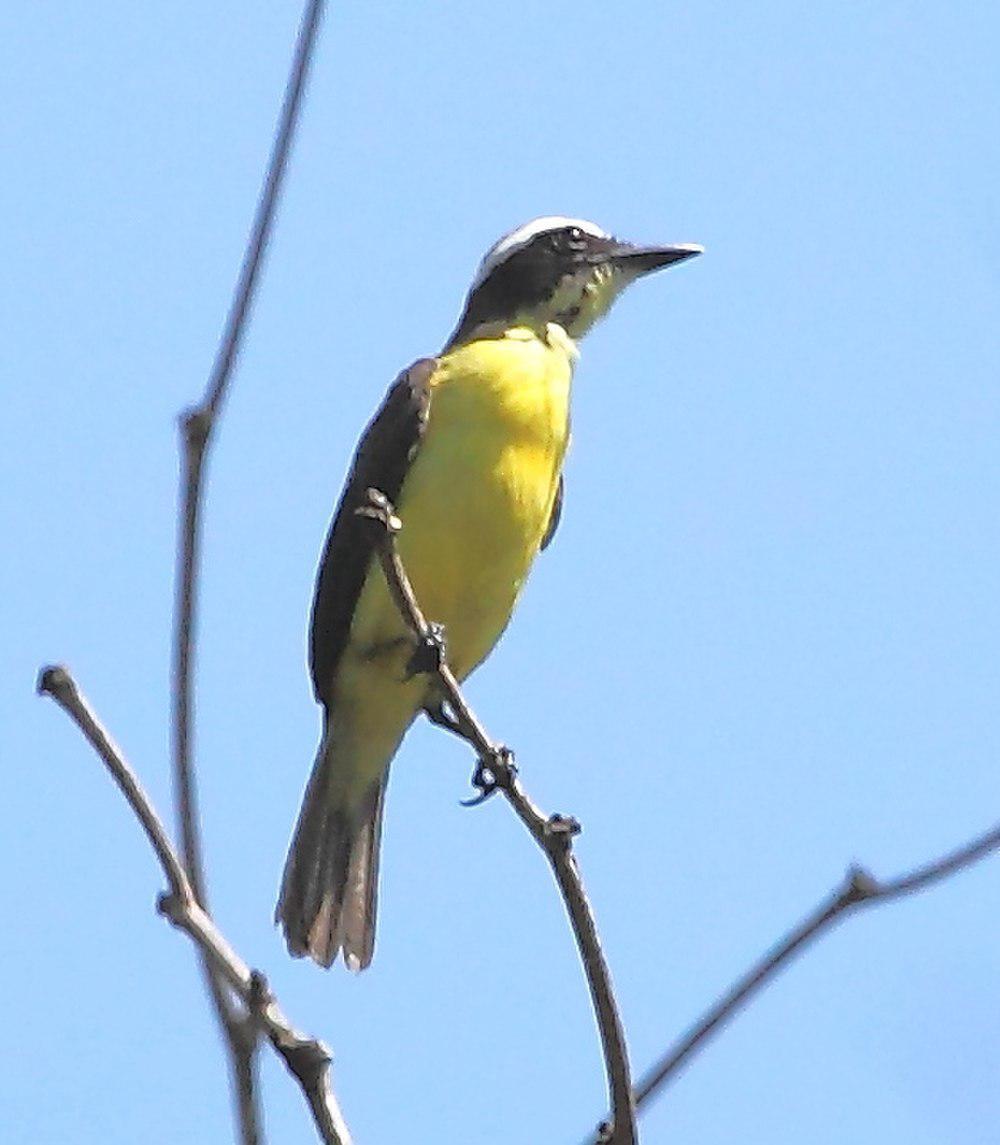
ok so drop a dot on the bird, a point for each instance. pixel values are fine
(468, 446)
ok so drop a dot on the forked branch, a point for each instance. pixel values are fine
(554, 833)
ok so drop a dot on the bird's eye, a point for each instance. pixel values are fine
(575, 234)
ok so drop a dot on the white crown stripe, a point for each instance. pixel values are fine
(518, 239)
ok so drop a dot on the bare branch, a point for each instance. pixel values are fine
(56, 681)
(306, 1058)
(859, 889)
(197, 426)
(553, 834)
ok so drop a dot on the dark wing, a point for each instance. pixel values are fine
(383, 457)
(554, 517)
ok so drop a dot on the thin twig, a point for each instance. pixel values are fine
(553, 834)
(859, 889)
(306, 1058)
(197, 426)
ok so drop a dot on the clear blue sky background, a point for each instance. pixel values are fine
(763, 646)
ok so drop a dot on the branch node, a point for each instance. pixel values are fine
(172, 907)
(308, 1059)
(561, 830)
(196, 424)
(860, 885)
(259, 996)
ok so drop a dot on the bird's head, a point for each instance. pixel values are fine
(555, 269)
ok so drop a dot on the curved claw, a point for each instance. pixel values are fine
(485, 779)
(476, 800)
(491, 774)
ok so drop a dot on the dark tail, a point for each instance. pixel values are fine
(329, 890)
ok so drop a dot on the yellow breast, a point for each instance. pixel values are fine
(477, 500)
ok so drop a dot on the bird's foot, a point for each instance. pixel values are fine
(493, 773)
(430, 653)
(439, 717)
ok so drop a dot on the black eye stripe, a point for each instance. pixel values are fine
(568, 240)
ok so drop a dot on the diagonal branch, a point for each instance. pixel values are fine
(197, 427)
(306, 1058)
(859, 889)
(554, 834)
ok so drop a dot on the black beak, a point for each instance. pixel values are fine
(643, 259)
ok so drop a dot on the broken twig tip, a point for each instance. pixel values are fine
(52, 679)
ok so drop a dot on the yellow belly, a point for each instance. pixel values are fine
(474, 506)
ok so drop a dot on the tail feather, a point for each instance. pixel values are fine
(329, 890)
(360, 900)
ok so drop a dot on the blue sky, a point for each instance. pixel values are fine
(763, 646)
